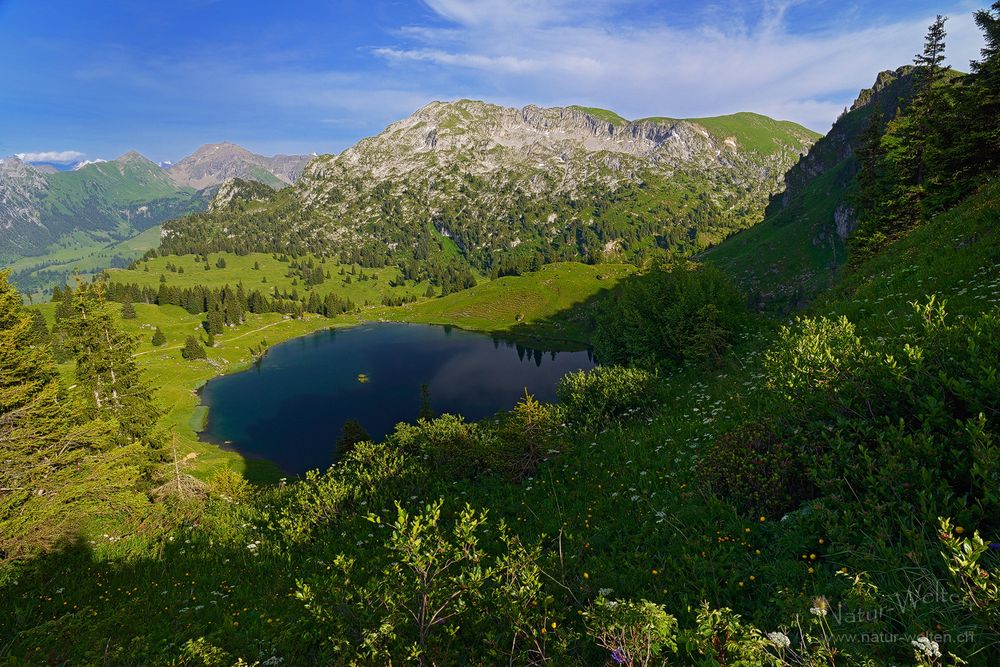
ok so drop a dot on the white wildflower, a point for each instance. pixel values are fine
(927, 647)
(779, 639)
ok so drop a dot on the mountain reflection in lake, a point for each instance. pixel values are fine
(290, 407)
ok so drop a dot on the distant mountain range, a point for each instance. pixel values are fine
(502, 189)
(104, 201)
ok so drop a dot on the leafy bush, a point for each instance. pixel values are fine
(882, 409)
(668, 316)
(522, 438)
(229, 485)
(448, 443)
(755, 470)
(595, 398)
(635, 633)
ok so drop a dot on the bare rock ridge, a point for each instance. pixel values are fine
(500, 181)
(212, 164)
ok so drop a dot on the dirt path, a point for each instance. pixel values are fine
(221, 342)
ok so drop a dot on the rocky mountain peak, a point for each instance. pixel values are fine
(213, 164)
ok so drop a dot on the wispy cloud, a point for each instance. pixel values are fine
(55, 157)
(557, 52)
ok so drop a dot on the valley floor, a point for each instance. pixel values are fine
(279, 576)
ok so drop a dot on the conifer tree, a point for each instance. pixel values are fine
(158, 338)
(39, 329)
(128, 311)
(193, 350)
(56, 465)
(351, 434)
(109, 382)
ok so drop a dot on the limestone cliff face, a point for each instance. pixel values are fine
(543, 152)
(564, 182)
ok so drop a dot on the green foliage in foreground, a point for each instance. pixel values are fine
(669, 316)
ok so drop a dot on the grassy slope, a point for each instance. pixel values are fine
(796, 266)
(676, 546)
(176, 380)
(522, 305)
(955, 256)
(78, 254)
(240, 269)
(752, 131)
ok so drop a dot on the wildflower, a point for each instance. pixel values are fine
(779, 639)
(820, 605)
(927, 647)
(586, 576)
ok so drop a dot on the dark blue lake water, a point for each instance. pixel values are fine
(290, 407)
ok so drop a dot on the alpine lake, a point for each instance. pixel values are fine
(289, 408)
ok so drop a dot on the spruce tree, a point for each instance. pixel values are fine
(128, 311)
(109, 382)
(158, 338)
(193, 350)
(351, 434)
(39, 329)
(57, 466)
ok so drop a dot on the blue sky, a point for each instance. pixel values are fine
(95, 78)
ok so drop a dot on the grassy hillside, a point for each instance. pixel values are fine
(271, 272)
(621, 512)
(793, 254)
(753, 131)
(524, 305)
(955, 256)
(799, 249)
(78, 255)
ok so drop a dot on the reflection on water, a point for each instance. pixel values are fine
(290, 406)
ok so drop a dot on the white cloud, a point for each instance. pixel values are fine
(557, 52)
(56, 157)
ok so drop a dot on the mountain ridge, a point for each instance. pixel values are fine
(112, 199)
(507, 185)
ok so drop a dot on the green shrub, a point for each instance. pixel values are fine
(634, 633)
(447, 443)
(671, 315)
(919, 408)
(595, 398)
(755, 470)
(229, 485)
(522, 438)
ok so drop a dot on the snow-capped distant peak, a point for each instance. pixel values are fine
(81, 165)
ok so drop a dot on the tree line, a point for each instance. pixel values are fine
(941, 147)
